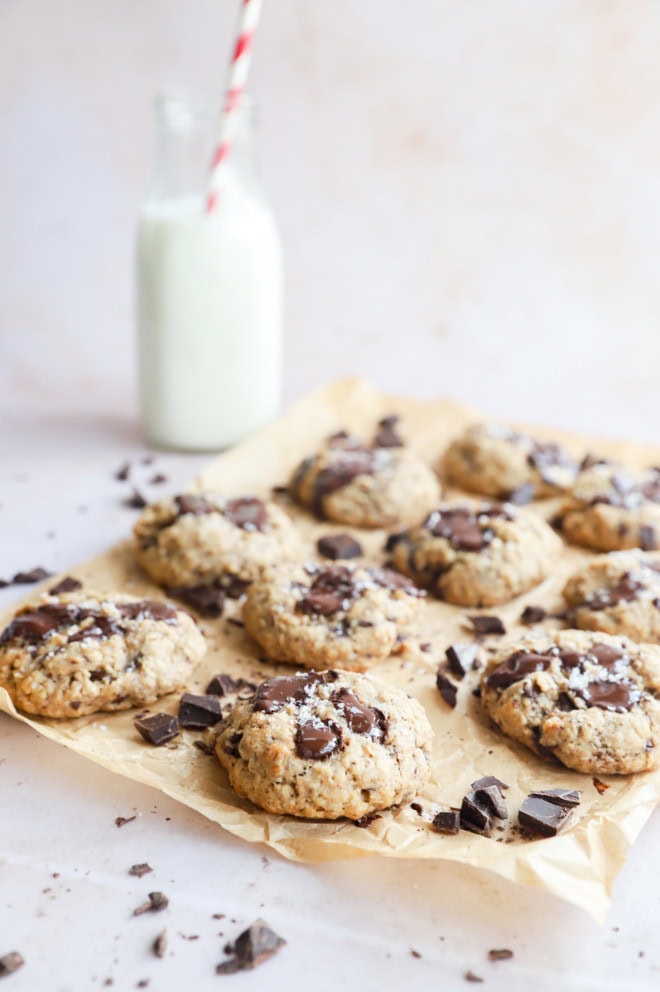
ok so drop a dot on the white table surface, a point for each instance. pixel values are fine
(66, 895)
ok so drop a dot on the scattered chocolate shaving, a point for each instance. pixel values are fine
(523, 494)
(208, 600)
(157, 729)
(225, 685)
(500, 954)
(387, 436)
(159, 945)
(135, 501)
(448, 689)
(484, 625)
(567, 798)
(121, 820)
(252, 948)
(4, 583)
(67, 584)
(197, 712)
(599, 786)
(532, 614)
(155, 903)
(470, 976)
(27, 578)
(122, 474)
(542, 817)
(461, 658)
(157, 479)
(140, 870)
(10, 963)
(338, 546)
(366, 820)
(447, 821)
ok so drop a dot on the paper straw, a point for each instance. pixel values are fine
(237, 77)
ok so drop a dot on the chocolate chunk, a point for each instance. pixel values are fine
(617, 697)
(193, 504)
(158, 479)
(600, 787)
(27, 578)
(560, 797)
(247, 513)
(386, 436)
(156, 902)
(252, 948)
(516, 667)
(522, 494)
(318, 740)
(159, 945)
(272, 695)
(331, 590)
(122, 473)
(624, 591)
(225, 685)
(199, 711)
(336, 546)
(532, 614)
(475, 815)
(500, 954)
(33, 626)
(491, 797)
(208, 600)
(488, 780)
(10, 963)
(158, 729)
(470, 976)
(461, 658)
(609, 657)
(366, 820)
(359, 718)
(140, 870)
(447, 822)
(647, 538)
(120, 821)
(355, 461)
(448, 689)
(67, 584)
(135, 501)
(542, 817)
(465, 530)
(487, 625)
(203, 747)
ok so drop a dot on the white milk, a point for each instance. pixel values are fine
(210, 314)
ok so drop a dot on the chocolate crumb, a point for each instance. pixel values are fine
(252, 948)
(157, 729)
(10, 963)
(426, 647)
(140, 870)
(532, 614)
(157, 479)
(122, 473)
(470, 976)
(143, 983)
(414, 953)
(419, 809)
(67, 584)
(599, 786)
(27, 578)
(500, 954)
(461, 658)
(203, 747)
(135, 501)
(159, 945)
(156, 902)
(120, 821)
(447, 822)
(338, 546)
(448, 689)
(366, 820)
(197, 712)
(476, 815)
(484, 625)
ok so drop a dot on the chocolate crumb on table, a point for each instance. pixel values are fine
(155, 903)
(600, 787)
(225, 685)
(140, 869)
(157, 479)
(135, 501)
(159, 945)
(500, 954)
(120, 821)
(470, 976)
(251, 948)
(338, 546)
(10, 963)
(157, 729)
(123, 472)
(366, 820)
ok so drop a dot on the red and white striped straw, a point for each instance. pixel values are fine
(238, 73)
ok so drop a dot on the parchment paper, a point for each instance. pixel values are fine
(579, 865)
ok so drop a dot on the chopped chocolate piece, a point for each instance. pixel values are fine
(487, 625)
(487, 780)
(647, 539)
(225, 685)
(193, 504)
(599, 786)
(491, 797)
(10, 963)
(140, 870)
(317, 741)
(208, 600)
(272, 695)
(500, 954)
(252, 948)
(461, 658)
(447, 821)
(532, 614)
(157, 729)
(448, 689)
(475, 815)
(523, 494)
(156, 902)
(366, 820)
(158, 479)
(67, 584)
(4, 583)
(27, 578)
(560, 797)
(120, 821)
(199, 711)
(135, 501)
(203, 747)
(386, 436)
(247, 513)
(470, 976)
(419, 809)
(542, 817)
(122, 473)
(159, 945)
(336, 546)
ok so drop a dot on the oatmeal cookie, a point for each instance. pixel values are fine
(326, 745)
(618, 593)
(75, 654)
(586, 699)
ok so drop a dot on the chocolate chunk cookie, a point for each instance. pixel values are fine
(476, 554)
(364, 486)
(325, 745)
(497, 461)
(618, 593)
(611, 509)
(75, 654)
(196, 539)
(337, 616)
(586, 699)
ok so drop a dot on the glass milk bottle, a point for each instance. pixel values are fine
(209, 290)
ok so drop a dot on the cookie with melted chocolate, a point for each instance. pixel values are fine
(618, 593)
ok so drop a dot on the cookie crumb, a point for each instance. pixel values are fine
(156, 902)
(159, 945)
(10, 963)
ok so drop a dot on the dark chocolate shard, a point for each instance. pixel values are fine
(447, 821)
(491, 797)
(208, 600)
(542, 817)
(135, 501)
(9, 963)
(252, 948)
(155, 903)
(34, 575)
(484, 625)
(475, 815)
(461, 658)
(159, 945)
(339, 546)
(448, 689)
(560, 797)
(67, 584)
(225, 685)
(532, 614)
(157, 729)
(140, 870)
(197, 712)
(487, 780)
(500, 954)
(203, 747)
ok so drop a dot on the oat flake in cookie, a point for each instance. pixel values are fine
(586, 699)
(497, 461)
(195, 539)
(326, 745)
(618, 593)
(476, 554)
(611, 509)
(364, 486)
(75, 654)
(336, 616)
